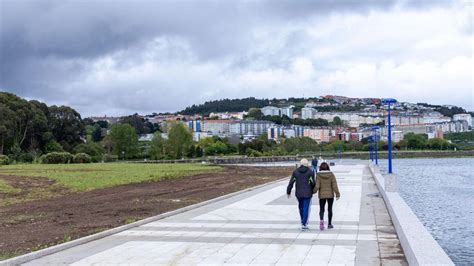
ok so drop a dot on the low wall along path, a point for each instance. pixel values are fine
(255, 227)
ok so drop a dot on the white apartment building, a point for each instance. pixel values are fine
(307, 113)
(463, 117)
(254, 128)
(271, 110)
(435, 117)
(288, 111)
(216, 127)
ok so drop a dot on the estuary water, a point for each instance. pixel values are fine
(441, 193)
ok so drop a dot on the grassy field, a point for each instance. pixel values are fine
(84, 177)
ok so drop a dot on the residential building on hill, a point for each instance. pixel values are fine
(271, 110)
(318, 134)
(250, 127)
(307, 113)
(276, 111)
(463, 117)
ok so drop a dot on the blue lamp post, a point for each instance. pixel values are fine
(389, 101)
(375, 128)
(371, 156)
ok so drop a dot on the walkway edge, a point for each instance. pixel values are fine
(418, 244)
(54, 249)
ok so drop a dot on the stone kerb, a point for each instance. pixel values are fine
(419, 246)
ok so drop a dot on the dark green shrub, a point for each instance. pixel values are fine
(57, 157)
(4, 160)
(110, 158)
(26, 158)
(95, 150)
(82, 158)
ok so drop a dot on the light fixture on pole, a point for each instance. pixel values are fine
(375, 135)
(389, 101)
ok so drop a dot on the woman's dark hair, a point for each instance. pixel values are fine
(324, 167)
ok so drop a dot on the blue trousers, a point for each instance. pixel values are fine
(303, 205)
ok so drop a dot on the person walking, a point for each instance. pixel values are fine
(303, 176)
(326, 187)
(314, 164)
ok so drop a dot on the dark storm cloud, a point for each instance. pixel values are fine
(47, 44)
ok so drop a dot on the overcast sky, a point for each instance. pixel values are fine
(122, 57)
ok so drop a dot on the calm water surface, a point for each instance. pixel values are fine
(441, 193)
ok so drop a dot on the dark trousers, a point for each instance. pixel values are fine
(303, 205)
(322, 204)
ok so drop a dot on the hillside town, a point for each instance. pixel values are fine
(341, 124)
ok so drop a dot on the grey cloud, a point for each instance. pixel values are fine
(46, 45)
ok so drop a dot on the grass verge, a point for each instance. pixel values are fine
(85, 177)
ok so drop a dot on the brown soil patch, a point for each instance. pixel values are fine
(37, 224)
(30, 188)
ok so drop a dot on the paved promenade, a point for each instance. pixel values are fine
(260, 227)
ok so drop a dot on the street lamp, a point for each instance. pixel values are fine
(375, 135)
(371, 157)
(389, 101)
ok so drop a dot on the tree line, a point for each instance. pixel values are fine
(30, 129)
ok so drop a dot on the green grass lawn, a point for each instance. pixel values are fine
(83, 177)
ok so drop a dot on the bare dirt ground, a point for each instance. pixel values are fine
(32, 225)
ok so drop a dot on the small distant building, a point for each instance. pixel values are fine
(276, 132)
(308, 113)
(276, 111)
(229, 115)
(316, 104)
(318, 134)
(271, 110)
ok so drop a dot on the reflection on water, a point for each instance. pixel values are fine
(441, 193)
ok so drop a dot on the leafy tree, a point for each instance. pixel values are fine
(137, 122)
(255, 113)
(337, 121)
(103, 124)
(152, 127)
(24, 120)
(460, 136)
(179, 140)
(296, 145)
(94, 150)
(416, 141)
(225, 105)
(6, 125)
(97, 134)
(438, 144)
(66, 125)
(88, 121)
(53, 146)
(158, 147)
(108, 144)
(125, 140)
